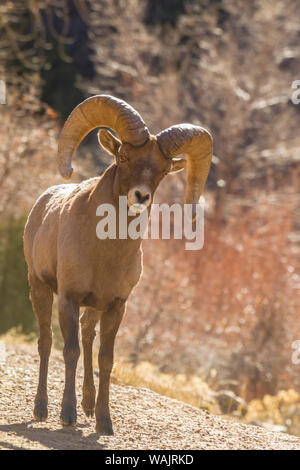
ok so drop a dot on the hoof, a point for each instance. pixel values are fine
(104, 428)
(68, 415)
(88, 412)
(40, 411)
(88, 406)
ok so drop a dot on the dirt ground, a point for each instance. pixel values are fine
(142, 419)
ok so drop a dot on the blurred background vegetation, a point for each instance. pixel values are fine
(227, 315)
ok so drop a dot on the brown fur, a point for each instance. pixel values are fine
(65, 256)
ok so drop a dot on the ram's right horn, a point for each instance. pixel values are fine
(99, 111)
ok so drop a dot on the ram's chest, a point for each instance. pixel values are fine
(97, 283)
(118, 276)
(95, 273)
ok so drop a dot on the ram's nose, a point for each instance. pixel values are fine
(139, 198)
(142, 196)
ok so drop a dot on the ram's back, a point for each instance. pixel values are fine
(41, 229)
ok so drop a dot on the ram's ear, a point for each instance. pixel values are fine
(108, 141)
(177, 165)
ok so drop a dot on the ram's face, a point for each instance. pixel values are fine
(140, 170)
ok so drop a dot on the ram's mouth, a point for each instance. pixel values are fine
(137, 208)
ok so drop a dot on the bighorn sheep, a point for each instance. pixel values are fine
(65, 256)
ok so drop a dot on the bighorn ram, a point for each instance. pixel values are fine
(65, 256)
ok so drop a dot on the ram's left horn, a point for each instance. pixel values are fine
(196, 143)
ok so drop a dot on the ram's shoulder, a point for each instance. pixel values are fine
(59, 194)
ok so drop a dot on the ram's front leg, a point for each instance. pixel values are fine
(69, 323)
(109, 325)
(88, 321)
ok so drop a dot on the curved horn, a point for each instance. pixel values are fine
(99, 111)
(196, 143)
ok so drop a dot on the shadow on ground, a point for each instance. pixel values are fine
(59, 439)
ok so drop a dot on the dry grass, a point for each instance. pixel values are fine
(190, 390)
(282, 409)
(16, 336)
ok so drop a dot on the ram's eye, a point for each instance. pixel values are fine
(123, 158)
